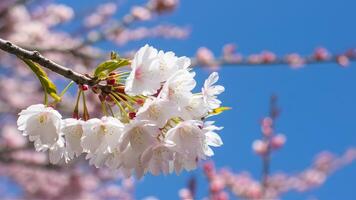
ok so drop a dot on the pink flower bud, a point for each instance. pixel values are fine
(84, 87)
(141, 13)
(75, 115)
(185, 194)
(278, 141)
(222, 196)
(132, 115)
(162, 6)
(111, 81)
(267, 121)
(254, 59)
(229, 49)
(295, 60)
(267, 130)
(260, 147)
(216, 185)
(343, 61)
(321, 54)
(205, 55)
(266, 126)
(268, 57)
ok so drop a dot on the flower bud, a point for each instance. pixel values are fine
(343, 61)
(321, 54)
(162, 6)
(222, 196)
(216, 185)
(205, 56)
(84, 87)
(132, 115)
(260, 147)
(111, 81)
(295, 60)
(141, 13)
(75, 115)
(268, 57)
(278, 141)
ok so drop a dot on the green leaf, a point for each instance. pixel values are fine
(48, 86)
(108, 66)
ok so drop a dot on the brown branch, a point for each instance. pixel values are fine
(245, 62)
(35, 56)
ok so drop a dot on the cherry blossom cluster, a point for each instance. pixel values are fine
(271, 141)
(160, 125)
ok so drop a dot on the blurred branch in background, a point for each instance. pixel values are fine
(36, 26)
(271, 186)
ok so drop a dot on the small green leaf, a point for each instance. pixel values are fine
(48, 86)
(108, 66)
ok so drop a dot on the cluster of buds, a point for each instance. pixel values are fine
(159, 125)
(230, 56)
(270, 140)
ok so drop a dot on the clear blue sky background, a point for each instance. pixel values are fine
(318, 102)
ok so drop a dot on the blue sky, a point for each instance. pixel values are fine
(318, 102)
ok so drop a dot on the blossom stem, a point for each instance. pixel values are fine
(66, 88)
(112, 113)
(103, 108)
(45, 97)
(76, 107)
(122, 100)
(85, 108)
(123, 111)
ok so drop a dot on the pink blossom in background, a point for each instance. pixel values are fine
(38, 25)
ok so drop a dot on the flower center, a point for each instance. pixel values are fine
(153, 111)
(42, 118)
(138, 74)
(162, 65)
(103, 129)
(137, 136)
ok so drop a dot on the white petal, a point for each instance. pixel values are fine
(213, 139)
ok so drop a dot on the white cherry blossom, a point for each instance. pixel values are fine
(58, 153)
(178, 87)
(196, 108)
(144, 78)
(210, 91)
(157, 158)
(159, 111)
(42, 124)
(192, 141)
(138, 136)
(169, 63)
(101, 137)
(73, 132)
(161, 126)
